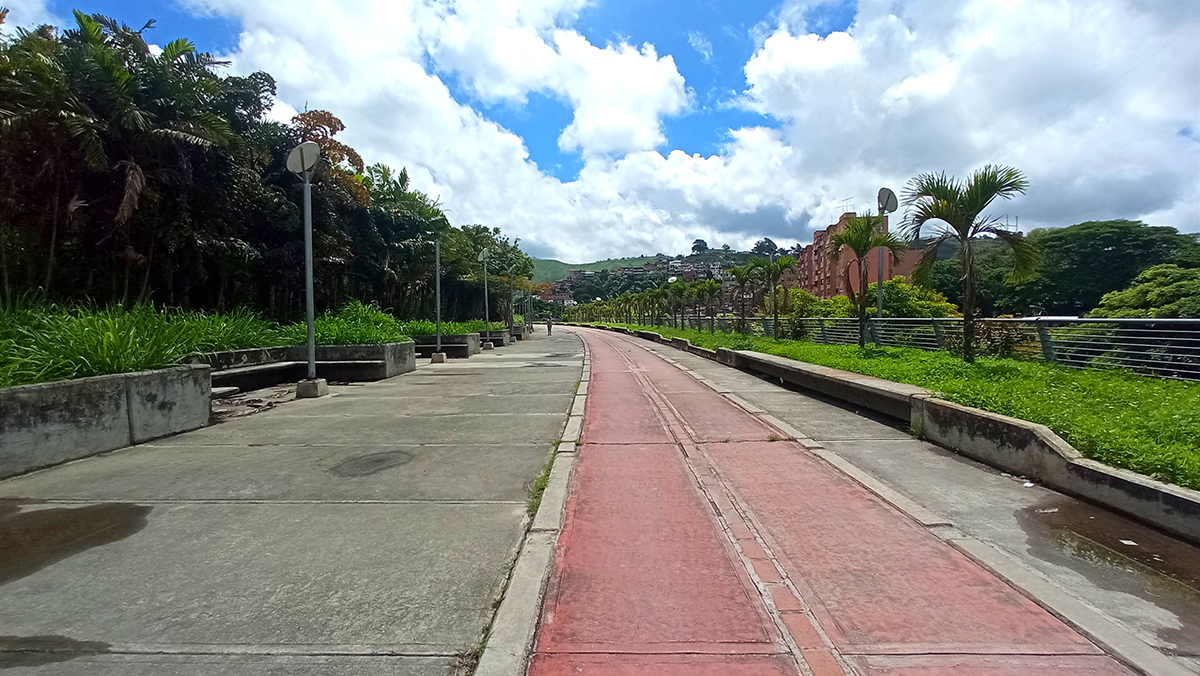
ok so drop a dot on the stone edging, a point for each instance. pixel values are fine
(50, 423)
(510, 639)
(1011, 444)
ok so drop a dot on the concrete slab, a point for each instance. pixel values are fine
(307, 579)
(477, 472)
(72, 664)
(370, 531)
(308, 427)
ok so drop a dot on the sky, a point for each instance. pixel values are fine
(601, 128)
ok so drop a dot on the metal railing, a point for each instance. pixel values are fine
(1167, 348)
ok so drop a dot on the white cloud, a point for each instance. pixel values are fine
(28, 13)
(701, 44)
(907, 88)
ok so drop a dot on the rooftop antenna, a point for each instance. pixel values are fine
(845, 204)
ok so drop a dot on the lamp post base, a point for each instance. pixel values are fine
(311, 389)
(489, 346)
(437, 358)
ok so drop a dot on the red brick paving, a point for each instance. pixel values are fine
(647, 580)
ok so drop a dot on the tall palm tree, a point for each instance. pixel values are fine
(861, 235)
(743, 276)
(709, 290)
(954, 208)
(771, 271)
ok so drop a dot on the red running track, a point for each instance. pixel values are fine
(698, 541)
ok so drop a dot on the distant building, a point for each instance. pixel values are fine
(824, 277)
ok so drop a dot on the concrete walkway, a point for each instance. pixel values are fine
(699, 540)
(368, 532)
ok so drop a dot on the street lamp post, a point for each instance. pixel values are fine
(301, 162)
(438, 357)
(487, 320)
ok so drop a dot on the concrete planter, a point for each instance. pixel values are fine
(499, 338)
(51, 423)
(359, 362)
(460, 345)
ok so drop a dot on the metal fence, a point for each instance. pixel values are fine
(1168, 348)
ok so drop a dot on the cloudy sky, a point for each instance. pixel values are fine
(598, 128)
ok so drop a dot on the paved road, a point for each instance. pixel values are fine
(364, 533)
(699, 541)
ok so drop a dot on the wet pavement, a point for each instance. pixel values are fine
(698, 540)
(369, 532)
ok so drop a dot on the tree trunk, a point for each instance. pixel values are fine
(4, 263)
(863, 282)
(53, 232)
(968, 263)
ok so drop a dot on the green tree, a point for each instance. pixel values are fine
(770, 272)
(861, 235)
(743, 277)
(699, 246)
(1083, 262)
(955, 209)
(1163, 291)
(709, 290)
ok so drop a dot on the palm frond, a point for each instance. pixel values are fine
(988, 183)
(175, 49)
(135, 183)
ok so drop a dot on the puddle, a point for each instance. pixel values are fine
(33, 537)
(33, 651)
(366, 465)
(1120, 555)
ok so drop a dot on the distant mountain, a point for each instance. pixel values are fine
(550, 270)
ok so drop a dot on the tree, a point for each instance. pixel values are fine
(955, 209)
(1083, 262)
(862, 235)
(743, 276)
(699, 246)
(724, 247)
(765, 248)
(708, 291)
(1163, 291)
(771, 271)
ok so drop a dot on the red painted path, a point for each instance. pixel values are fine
(698, 541)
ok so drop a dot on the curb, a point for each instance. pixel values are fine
(511, 636)
(1111, 637)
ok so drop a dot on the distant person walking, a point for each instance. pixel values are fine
(549, 325)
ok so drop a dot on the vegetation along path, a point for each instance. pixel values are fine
(700, 539)
(367, 532)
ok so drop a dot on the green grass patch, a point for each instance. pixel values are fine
(538, 487)
(425, 327)
(1148, 425)
(42, 342)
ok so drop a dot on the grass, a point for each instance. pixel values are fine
(538, 488)
(425, 327)
(1148, 425)
(43, 342)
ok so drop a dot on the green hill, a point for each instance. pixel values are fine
(550, 270)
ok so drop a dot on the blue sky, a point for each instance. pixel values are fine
(728, 28)
(725, 120)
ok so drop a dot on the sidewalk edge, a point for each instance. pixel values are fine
(510, 639)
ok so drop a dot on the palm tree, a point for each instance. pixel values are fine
(743, 276)
(861, 235)
(955, 208)
(709, 290)
(771, 271)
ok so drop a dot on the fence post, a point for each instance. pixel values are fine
(937, 332)
(824, 333)
(1047, 344)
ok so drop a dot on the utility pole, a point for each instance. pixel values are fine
(487, 320)
(301, 161)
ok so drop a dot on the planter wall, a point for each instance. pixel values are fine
(51, 423)
(460, 345)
